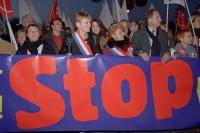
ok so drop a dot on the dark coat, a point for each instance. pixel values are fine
(93, 42)
(65, 43)
(33, 48)
(123, 45)
(142, 43)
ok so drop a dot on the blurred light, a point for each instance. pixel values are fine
(128, 11)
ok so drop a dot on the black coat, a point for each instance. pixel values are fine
(38, 47)
(65, 43)
(92, 40)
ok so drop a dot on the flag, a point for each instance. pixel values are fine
(180, 18)
(180, 2)
(26, 7)
(117, 11)
(64, 19)
(70, 23)
(114, 13)
(54, 13)
(105, 15)
(33, 12)
(124, 10)
(6, 8)
(152, 6)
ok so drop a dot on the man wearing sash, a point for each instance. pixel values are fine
(151, 40)
(85, 42)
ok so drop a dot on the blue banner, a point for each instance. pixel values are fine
(98, 93)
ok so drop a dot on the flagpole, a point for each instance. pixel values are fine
(190, 18)
(167, 19)
(9, 27)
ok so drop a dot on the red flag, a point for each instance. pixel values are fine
(180, 18)
(54, 11)
(6, 8)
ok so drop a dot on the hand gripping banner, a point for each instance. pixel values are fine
(98, 93)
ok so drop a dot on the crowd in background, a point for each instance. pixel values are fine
(146, 38)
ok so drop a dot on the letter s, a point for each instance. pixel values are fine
(24, 83)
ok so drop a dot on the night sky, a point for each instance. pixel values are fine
(72, 6)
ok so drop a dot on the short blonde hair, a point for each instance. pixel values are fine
(114, 27)
(80, 15)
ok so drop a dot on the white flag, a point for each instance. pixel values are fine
(64, 19)
(105, 15)
(70, 23)
(118, 14)
(114, 12)
(180, 2)
(26, 7)
(124, 10)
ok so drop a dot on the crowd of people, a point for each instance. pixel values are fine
(90, 37)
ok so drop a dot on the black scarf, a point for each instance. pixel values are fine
(32, 46)
(156, 47)
(121, 44)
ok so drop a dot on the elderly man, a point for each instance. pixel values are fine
(151, 40)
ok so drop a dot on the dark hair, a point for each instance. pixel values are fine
(55, 19)
(103, 29)
(32, 25)
(150, 13)
(198, 6)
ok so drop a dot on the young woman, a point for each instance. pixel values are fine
(34, 43)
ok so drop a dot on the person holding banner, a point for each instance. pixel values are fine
(118, 43)
(151, 40)
(185, 48)
(84, 42)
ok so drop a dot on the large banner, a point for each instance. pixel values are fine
(76, 93)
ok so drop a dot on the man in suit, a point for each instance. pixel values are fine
(151, 40)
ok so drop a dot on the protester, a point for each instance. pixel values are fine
(133, 27)
(98, 28)
(27, 20)
(21, 37)
(184, 48)
(85, 42)
(34, 43)
(151, 40)
(118, 43)
(57, 39)
(196, 25)
(68, 31)
(125, 25)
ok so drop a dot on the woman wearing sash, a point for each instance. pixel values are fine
(118, 43)
(85, 42)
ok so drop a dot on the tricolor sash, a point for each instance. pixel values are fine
(117, 51)
(82, 44)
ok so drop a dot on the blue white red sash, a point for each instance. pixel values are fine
(117, 51)
(82, 44)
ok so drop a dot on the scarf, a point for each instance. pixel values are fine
(156, 47)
